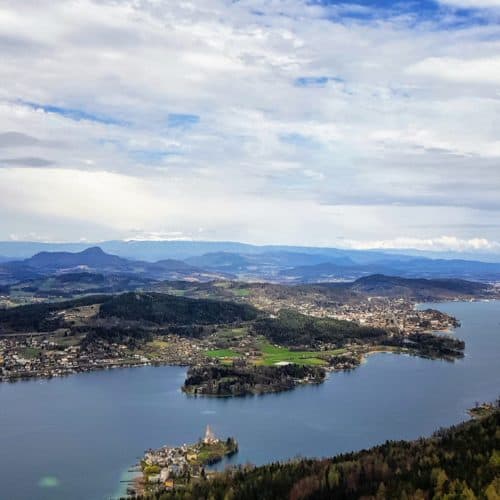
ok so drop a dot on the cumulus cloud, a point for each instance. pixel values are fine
(479, 70)
(265, 121)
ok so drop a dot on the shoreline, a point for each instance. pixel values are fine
(117, 366)
(128, 364)
(167, 467)
(166, 373)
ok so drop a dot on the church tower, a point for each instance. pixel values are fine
(209, 436)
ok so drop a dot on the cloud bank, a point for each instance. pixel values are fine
(291, 121)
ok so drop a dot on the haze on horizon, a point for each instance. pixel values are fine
(365, 124)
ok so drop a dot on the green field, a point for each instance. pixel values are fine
(274, 354)
(214, 451)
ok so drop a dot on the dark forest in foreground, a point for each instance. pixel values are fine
(461, 462)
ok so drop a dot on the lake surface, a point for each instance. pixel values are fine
(76, 437)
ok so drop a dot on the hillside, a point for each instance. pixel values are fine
(77, 283)
(295, 329)
(157, 308)
(394, 286)
(40, 317)
(462, 462)
(161, 308)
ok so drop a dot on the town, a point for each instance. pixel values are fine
(46, 356)
(64, 352)
(399, 314)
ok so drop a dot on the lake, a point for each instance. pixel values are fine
(76, 437)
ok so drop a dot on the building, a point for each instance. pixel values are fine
(209, 436)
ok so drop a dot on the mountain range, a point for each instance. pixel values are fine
(203, 261)
(152, 251)
(94, 259)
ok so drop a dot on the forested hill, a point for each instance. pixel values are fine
(395, 286)
(161, 308)
(295, 329)
(462, 462)
(147, 307)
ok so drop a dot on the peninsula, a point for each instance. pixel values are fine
(167, 467)
(200, 325)
(242, 378)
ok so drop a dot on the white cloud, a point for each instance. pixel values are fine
(472, 4)
(480, 70)
(404, 128)
(440, 244)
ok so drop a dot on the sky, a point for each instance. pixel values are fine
(363, 124)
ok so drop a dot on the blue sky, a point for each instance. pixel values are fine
(74, 113)
(446, 14)
(359, 124)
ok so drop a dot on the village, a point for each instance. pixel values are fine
(396, 314)
(168, 467)
(47, 355)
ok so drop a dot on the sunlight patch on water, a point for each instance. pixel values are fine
(48, 482)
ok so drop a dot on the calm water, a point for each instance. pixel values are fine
(75, 437)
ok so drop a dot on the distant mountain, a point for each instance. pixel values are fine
(221, 260)
(95, 260)
(180, 250)
(262, 265)
(445, 268)
(294, 264)
(394, 286)
(422, 268)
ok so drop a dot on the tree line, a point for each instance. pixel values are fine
(461, 462)
(242, 378)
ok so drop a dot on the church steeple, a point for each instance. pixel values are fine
(209, 436)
